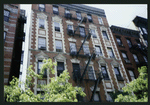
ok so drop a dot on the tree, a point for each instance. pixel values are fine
(58, 90)
(137, 89)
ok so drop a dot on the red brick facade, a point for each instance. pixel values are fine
(50, 52)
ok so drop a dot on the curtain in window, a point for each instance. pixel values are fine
(56, 24)
(86, 49)
(42, 42)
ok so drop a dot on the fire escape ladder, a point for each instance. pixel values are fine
(96, 84)
(83, 44)
(87, 66)
(79, 24)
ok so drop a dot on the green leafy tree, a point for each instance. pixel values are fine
(58, 90)
(137, 89)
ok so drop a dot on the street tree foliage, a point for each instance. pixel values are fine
(58, 90)
(137, 89)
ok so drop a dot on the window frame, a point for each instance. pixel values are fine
(105, 35)
(55, 11)
(112, 53)
(6, 18)
(107, 76)
(40, 46)
(100, 50)
(42, 8)
(58, 70)
(59, 50)
(89, 16)
(42, 25)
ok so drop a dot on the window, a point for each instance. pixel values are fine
(104, 72)
(40, 63)
(89, 17)
(91, 73)
(76, 71)
(4, 35)
(42, 43)
(41, 7)
(57, 26)
(109, 96)
(131, 74)
(110, 52)
(118, 75)
(73, 49)
(140, 31)
(105, 35)
(146, 42)
(79, 17)
(144, 30)
(22, 54)
(93, 33)
(135, 58)
(100, 20)
(119, 41)
(58, 45)
(6, 15)
(138, 43)
(70, 29)
(41, 23)
(98, 51)
(55, 10)
(145, 58)
(96, 97)
(124, 55)
(82, 31)
(68, 14)
(60, 68)
(129, 43)
(86, 50)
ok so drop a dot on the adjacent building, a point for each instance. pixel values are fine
(79, 39)
(131, 48)
(14, 36)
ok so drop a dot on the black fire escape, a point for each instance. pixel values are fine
(86, 52)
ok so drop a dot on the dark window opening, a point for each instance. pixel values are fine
(118, 75)
(104, 72)
(40, 63)
(60, 68)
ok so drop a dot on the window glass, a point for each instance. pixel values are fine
(58, 44)
(105, 35)
(116, 71)
(6, 15)
(60, 65)
(145, 58)
(73, 47)
(67, 11)
(93, 33)
(78, 15)
(135, 58)
(86, 49)
(124, 55)
(70, 27)
(56, 24)
(96, 97)
(104, 72)
(42, 42)
(41, 23)
(145, 31)
(119, 41)
(110, 52)
(100, 20)
(89, 17)
(129, 43)
(131, 74)
(91, 73)
(98, 50)
(55, 9)
(82, 31)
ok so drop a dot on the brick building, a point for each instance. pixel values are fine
(79, 39)
(132, 50)
(14, 20)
